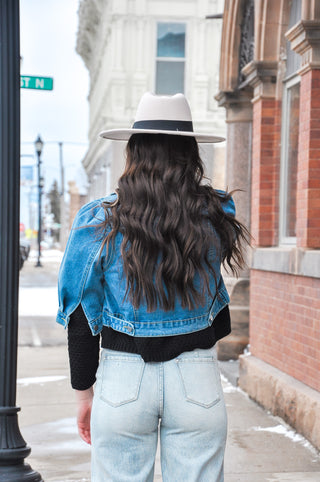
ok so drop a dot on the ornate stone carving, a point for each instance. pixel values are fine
(89, 20)
(247, 38)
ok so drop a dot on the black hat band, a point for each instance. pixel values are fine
(164, 125)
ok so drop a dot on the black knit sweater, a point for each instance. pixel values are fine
(84, 348)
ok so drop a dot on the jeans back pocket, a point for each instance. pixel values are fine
(121, 379)
(200, 380)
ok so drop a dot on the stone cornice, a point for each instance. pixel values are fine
(262, 71)
(305, 40)
(238, 105)
(303, 35)
(226, 99)
(262, 76)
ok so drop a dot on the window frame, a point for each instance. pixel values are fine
(170, 59)
(283, 191)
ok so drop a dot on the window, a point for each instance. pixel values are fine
(293, 62)
(289, 161)
(170, 58)
(290, 136)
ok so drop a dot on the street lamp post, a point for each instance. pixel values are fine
(39, 146)
(13, 448)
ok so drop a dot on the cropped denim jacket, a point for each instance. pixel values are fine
(97, 281)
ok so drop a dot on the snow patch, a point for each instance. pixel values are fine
(230, 389)
(227, 386)
(39, 301)
(73, 480)
(54, 255)
(289, 433)
(281, 430)
(31, 380)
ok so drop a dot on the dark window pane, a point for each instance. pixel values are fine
(169, 77)
(171, 40)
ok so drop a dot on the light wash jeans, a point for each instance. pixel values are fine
(182, 397)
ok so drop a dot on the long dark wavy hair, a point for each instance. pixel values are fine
(170, 220)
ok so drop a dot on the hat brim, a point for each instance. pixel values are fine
(125, 134)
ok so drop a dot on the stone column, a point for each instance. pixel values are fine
(238, 176)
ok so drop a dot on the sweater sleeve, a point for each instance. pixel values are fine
(83, 351)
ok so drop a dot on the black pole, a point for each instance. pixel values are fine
(13, 448)
(39, 209)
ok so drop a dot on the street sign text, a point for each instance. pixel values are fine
(38, 83)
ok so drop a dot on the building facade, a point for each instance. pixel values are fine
(161, 46)
(270, 88)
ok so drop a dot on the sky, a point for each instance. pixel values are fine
(48, 32)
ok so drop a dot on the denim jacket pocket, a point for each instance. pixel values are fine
(121, 379)
(200, 380)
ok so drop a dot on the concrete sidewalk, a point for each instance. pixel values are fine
(260, 447)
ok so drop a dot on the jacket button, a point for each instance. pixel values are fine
(129, 328)
(96, 327)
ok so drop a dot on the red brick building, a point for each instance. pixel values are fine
(270, 87)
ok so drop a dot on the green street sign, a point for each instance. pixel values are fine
(38, 83)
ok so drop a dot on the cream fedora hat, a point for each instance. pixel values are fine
(161, 114)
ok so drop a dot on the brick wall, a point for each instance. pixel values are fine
(265, 171)
(285, 323)
(308, 200)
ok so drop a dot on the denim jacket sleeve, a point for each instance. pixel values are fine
(81, 276)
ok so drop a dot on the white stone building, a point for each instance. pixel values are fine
(161, 46)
